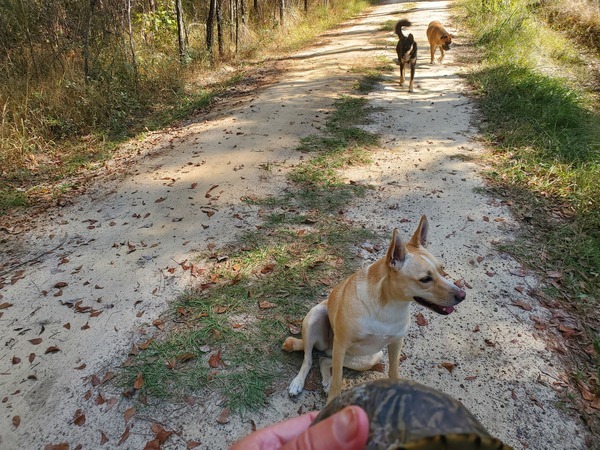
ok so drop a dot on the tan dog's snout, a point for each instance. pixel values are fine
(459, 296)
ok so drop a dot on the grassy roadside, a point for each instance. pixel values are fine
(544, 129)
(225, 335)
(58, 130)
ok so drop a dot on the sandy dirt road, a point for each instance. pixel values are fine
(96, 273)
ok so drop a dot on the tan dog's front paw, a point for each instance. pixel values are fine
(296, 386)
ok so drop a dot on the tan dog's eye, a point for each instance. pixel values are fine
(426, 279)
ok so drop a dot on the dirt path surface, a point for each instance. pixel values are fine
(99, 272)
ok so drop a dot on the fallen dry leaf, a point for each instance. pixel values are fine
(129, 413)
(214, 360)
(139, 381)
(421, 320)
(52, 349)
(79, 418)
(448, 366)
(144, 345)
(521, 304)
(154, 444)
(266, 305)
(36, 341)
(161, 434)
(31, 357)
(103, 438)
(193, 444)
(224, 416)
(124, 436)
(16, 421)
(16, 360)
(5, 305)
(61, 446)
(267, 269)
(17, 276)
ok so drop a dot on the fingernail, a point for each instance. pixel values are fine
(345, 425)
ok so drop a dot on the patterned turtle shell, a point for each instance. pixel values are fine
(409, 415)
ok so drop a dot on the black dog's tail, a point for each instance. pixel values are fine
(402, 23)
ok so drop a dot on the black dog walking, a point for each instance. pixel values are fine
(407, 52)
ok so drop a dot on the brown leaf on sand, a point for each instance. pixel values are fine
(448, 366)
(129, 413)
(421, 320)
(521, 304)
(208, 195)
(139, 381)
(5, 305)
(79, 418)
(31, 357)
(16, 360)
(52, 349)
(16, 421)
(124, 436)
(61, 446)
(161, 434)
(224, 416)
(36, 341)
(193, 444)
(17, 276)
(103, 438)
(154, 444)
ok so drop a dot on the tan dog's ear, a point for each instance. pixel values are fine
(396, 252)
(420, 237)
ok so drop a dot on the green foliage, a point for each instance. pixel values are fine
(545, 128)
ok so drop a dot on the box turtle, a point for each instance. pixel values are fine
(409, 415)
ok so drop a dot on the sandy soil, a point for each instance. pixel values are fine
(98, 272)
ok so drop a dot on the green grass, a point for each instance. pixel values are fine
(544, 129)
(247, 301)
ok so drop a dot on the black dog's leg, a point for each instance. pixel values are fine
(413, 64)
(401, 73)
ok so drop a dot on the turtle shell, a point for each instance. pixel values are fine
(409, 415)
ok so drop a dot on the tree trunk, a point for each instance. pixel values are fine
(221, 44)
(132, 45)
(282, 13)
(210, 25)
(180, 32)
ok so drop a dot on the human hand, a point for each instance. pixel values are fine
(345, 430)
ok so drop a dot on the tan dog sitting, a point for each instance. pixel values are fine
(438, 37)
(370, 311)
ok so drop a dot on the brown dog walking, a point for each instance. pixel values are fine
(438, 37)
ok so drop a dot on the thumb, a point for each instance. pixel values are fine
(347, 430)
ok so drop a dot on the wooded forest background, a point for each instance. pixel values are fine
(87, 68)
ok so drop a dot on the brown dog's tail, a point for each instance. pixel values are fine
(402, 23)
(292, 344)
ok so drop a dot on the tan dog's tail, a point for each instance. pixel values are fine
(292, 344)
